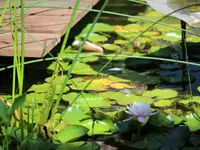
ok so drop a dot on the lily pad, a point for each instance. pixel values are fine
(70, 133)
(161, 93)
(74, 115)
(159, 120)
(87, 100)
(163, 103)
(121, 42)
(83, 69)
(111, 47)
(61, 79)
(179, 134)
(192, 123)
(94, 37)
(99, 126)
(99, 27)
(42, 88)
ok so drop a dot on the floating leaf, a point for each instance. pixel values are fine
(61, 79)
(83, 69)
(175, 119)
(121, 42)
(160, 119)
(99, 27)
(192, 123)
(74, 115)
(100, 126)
(87, 100)
(53, 65)
(161, 93)
(163, 103)
(93, 37)
(70, 133)
(111, 47)
(42, 88)
(179, 135)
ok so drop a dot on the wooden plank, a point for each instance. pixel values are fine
(32, 47)
(45, 24)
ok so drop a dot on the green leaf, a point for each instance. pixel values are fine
(94, 37)
(161, 93)
(160, 120)
(42, 145)
(163, 103)
(4, 115)
(70, 133)
(74, 115)
(15, 132)
(87, 100)
(177, 137)
(175, 119)
(111, 47)
(17, 103)
(61, 79)
(192, 123)
(83, 69)
(100, 126)
(99, 27)
(42, 88)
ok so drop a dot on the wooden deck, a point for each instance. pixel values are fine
(43, 25)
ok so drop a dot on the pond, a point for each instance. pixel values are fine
(113, 79)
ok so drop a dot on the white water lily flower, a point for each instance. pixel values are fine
(139, 110)
(190, 15)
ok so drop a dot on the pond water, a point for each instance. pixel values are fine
(126, 79)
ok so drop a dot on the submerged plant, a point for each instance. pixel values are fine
(140, 110)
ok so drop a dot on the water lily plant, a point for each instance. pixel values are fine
(181, 9)
(140, 110)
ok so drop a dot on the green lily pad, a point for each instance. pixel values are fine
(161, 93)
(133, 27)
(71, 146)
(121, 42)
(70, 133)
(90, 59)
(61, 79)
(146, 144)
(94, 37)
(99, 27)
(159, 120)
(52, 66)
(81, 85)
(175, 119)
(87, 100)
(190, 100)
(157, 51)
(82, 69)
(111, 47)
(42, 88)
(100, 126)
(128, 35)
(192, 123)
(74, 115)
(179, 135)
(163, 103)
(172, 37)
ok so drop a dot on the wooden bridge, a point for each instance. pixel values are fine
(44, 27)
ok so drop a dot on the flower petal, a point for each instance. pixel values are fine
(151, 113)
(142, 119)
(128, 119)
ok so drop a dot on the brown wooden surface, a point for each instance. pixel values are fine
(47, 25)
